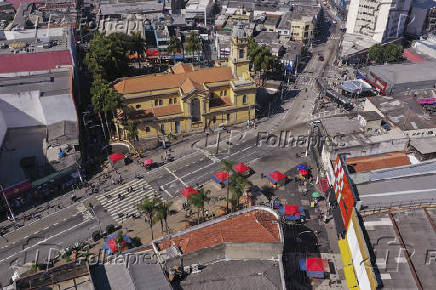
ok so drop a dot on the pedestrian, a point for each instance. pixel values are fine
(262, 175)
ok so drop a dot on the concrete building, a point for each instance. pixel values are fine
(404, 77)
(404, 113)
(420, 16)
(187, 99)
(378, 20)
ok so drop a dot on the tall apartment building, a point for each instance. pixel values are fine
(379, 20)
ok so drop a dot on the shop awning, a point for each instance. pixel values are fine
(241, 167)
(188, 191)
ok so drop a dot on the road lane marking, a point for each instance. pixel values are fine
(45, 240)
(176, 177)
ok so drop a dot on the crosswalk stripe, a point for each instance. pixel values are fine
(124, 186)
(102, 198)
(129, 197)
(128, 203)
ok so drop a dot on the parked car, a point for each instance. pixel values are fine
(321, 58)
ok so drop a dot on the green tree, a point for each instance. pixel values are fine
(149, 208)
(105, 100)
(174, 46)
(119, 240)
(199, 200)
(107, 56)
(132, 130)
(193, 43)
(227, 165)
(237, 184)
(376, 54)
(163, 210)
(393, 52)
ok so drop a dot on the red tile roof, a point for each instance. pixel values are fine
(16, 3)
(173, 80)
(255, 226)
(24, 62)
(387, 160)
(156, 112)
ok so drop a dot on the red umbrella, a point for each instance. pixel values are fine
(148, 162)
(116, 157)
(277, 175)
(188, 192)
(241, 167)
(221, 176)
(112, 245)
(303, 171)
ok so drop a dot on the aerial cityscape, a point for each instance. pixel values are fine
(217, 144)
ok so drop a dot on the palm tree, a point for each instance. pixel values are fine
(174, 46)
(193, 43)
(199, 200)
(105, 99)
(119, 240)
(237, 185)
(163, 210)
(132, 130)
(149, 208)
(228, 167)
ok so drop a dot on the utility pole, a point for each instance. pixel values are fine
(217, 143)
(7, 203)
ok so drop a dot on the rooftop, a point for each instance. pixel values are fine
(386, 160)
(405, 72)
(172, 80)
(140, 276)
(424, 145)
(403, 111)
(341, 125)
(249, 274)
(413, 225)
(131, 8)
(352, 44)
(41, 61)
(370, 116)
(254, 226)
(267, 37)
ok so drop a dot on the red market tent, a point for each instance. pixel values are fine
(116, 157)
(303, 171)
(148, 162)
(275, 176)
(188, 192)
(221, 177)
(291, 209)
(314, 265)
(241, 167)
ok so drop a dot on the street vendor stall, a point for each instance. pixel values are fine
(110, 246)
(276, 178)
(292, 212)
(117, 160)
(221, 178)
(315, 267)
(242, 169)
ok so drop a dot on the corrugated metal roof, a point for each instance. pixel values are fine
(41, 61)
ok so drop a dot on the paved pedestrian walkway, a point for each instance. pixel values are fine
(120, 203)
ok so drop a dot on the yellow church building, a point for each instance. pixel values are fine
(186, 99)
